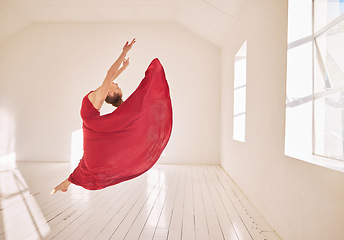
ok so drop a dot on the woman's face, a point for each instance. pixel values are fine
(114, 89)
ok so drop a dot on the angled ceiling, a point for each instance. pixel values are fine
(211, 19)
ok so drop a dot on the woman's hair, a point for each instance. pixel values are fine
(115, 100)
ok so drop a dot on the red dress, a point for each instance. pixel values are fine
(127, 142)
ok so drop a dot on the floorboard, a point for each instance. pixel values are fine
(168, 202)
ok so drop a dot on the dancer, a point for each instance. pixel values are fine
(127, 142)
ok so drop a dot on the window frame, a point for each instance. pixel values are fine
(236, 136)
(325, 161)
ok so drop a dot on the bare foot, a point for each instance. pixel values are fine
(61, 187)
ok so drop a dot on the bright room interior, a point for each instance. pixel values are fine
(53, 52)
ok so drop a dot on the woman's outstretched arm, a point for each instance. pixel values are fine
(112, 73)
(119, 71)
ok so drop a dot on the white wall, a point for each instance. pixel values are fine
(300, 200)
(47, 68)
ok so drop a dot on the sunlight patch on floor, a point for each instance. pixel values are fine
(20, 212)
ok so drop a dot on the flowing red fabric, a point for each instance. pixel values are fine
(127, 142)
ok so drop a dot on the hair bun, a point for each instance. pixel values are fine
(118, 103)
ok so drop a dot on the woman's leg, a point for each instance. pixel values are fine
(61, 187)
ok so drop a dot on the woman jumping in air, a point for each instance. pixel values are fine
(127, 142)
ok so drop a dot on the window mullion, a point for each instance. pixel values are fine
(328, 26)
(313, 76)
(322, 66)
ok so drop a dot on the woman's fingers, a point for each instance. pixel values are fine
(132, 42)
(53, 191)
(126, 61)
(128, 46)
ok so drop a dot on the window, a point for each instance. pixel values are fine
(240, 94)
(315, 79)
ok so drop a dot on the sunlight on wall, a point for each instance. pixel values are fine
(76, 147)
(21, 215)
(7, 131)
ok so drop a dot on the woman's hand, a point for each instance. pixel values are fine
(128, 46)
(125, 63)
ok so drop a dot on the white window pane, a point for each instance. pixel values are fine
(329, 83)
(240, 66)
(335, 54)
(321, 80)
(239, 100)
(239, 128)
(329, 61)
(299, 19)
(328, 123)
(326, 11)
(327, 133)
(240, 94)
(240, 73)
(298, 130)
(299, 71)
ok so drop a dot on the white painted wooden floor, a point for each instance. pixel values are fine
(168, 202)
